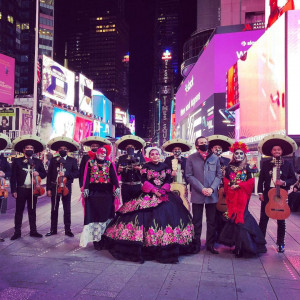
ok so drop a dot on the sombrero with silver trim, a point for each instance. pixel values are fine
(4, 141)
(19, 143)
(95, 140)
(217, 139)
(287, 144)
(59, 141)
(134, 140)
(171, 144)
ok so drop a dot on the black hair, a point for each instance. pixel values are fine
(200, 137)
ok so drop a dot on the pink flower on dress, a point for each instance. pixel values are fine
(147, 198)
(143, 171)
(157, 181)
(177, 231)
(155, 174)
(169, 229)
(232, 176)
(129, 226)
(168, 171)
(151, 231)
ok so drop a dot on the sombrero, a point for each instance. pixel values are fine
(287, 144)
(4, 141)
(19, 143)
(224, 141)
(95, 140)
(59, 141)
(134, 140)
(171, 144)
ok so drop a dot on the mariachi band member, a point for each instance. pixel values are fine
(177, 163)
(129, 166)
(94, 142)
(276, 146)
(5, 170)
(219, 144)
(61, 173)
(25, 170)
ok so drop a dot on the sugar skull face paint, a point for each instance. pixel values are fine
(101, 153)
(239, 155)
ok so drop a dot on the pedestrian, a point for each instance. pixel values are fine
(21, 181)
(241, 229)
(294, 196)
(100, 184)
(276, 146)
(62, 171)
(155, 225)
(203, 172)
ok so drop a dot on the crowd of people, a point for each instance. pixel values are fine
(144, 207)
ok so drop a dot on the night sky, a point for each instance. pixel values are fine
(140, 18)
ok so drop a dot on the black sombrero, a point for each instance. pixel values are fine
(95, 140)
(4, 141)
(19, 143)
(171, 144)
(287, 144)
(134, 140)
(224, 141)
(57, 142)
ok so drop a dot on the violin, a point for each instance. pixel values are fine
(62, 183)
(37, 188)
(3, 191)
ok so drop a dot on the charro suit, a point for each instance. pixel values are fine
(181, 161)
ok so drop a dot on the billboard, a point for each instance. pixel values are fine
(208, 75)
(275, 8)
(9, 122)
(25, 121)
(132, 124)
(45, 129)
(7, 79)
(85, 94)
(120, 116)
(58, 83)
(261, 82)
(83, 129)
(63, 123)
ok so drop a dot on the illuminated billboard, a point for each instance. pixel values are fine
(7, 79)
(85, 94)
(208, 75)
(276, 8)
(120, 116)
(63, 123)
(83, 129)
(58, 82)
(132, 124)
(261, 82)
(25, 120)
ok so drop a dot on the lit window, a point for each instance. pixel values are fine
(10, 19)
(0, 15)
(25, 26)
(99, 18)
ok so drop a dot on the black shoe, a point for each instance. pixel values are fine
(36, 234)
(280, 249)
(69, 233)
(238, 252)
(1, 240)
(52, 232)
(15, 236)
(196, 246)
(212, 250)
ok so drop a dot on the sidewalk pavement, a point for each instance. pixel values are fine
(57, 268)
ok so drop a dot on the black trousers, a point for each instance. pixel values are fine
(25, 195)
(66, 201)
(210, 210)
(130, 192)
(264, 219)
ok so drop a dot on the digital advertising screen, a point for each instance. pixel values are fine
(261, 83)
(85, 94)
(7, 79)
(63, 123)
(293, 72)
(276, 8)
(9, 122)
(83, 129)
(208, 75)
(101, 129)
(58, 83)
(25, 121)
(132, 124)
(45, 129)
(102, 107)
(120, 116)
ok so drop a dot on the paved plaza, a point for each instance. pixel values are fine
(57, 268)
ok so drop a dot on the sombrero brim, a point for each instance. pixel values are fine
(4, 141)
(221, 140)
(134, 140)
(171, 144)
(21, 142)
(58, 142)
(95, 140)
(287, 144)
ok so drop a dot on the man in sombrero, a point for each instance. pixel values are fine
(5, 170)
(61, 168)
(94, 142)
(129, 166)
(23, 170)
(276, 146)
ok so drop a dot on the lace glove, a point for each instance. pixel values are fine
(117, 192)
(85, 193)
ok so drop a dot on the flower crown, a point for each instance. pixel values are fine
(239, 145)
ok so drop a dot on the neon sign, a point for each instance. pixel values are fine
(166, 55)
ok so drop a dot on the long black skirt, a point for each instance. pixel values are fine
(149, 228)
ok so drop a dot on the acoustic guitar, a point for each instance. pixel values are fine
(277, 208)
(221, 204)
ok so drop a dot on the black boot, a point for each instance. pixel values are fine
(196, 246)
(280, 249)
(16, 235)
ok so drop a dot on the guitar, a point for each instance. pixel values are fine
(221, 204)
(277, 208)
